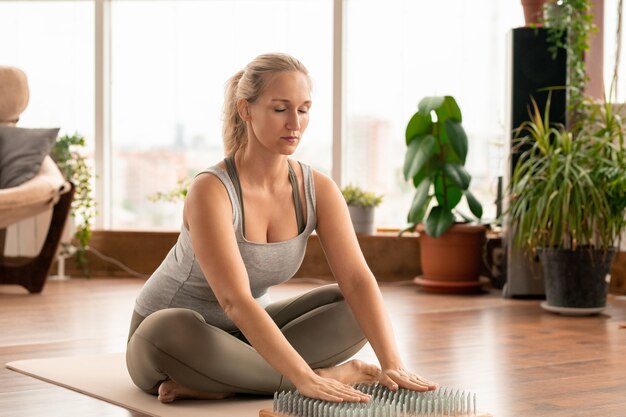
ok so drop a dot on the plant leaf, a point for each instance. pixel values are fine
(439, 221)
(447, 192)
(458, 174)
(420, 202)
(457, 138)
(419, 125)
(408, 228)
(418, 153)
(449, 109)
(428, 104)
(474, 205)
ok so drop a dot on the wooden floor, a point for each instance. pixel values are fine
(518, 359)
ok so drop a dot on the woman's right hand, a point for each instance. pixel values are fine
(327, 389)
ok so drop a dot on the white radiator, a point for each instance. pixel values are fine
(26, 237)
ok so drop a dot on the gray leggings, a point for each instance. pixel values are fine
(177, 344)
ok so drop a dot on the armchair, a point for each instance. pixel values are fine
(45, 190)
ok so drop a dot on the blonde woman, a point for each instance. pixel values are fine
(204, 326)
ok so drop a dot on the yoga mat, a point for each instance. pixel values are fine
(105, 377)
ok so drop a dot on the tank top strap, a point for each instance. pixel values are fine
(234, 178)
(296, 199)
(231, 169)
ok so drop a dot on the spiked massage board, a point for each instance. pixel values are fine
(383, 403)
(270, 413)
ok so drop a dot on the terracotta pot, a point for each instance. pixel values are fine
(456, 255)
(533, 11)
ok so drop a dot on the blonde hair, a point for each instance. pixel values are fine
(249, 84)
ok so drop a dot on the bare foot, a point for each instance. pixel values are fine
(170, 391)
(351, 372)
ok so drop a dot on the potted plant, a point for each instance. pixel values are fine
(72, 162)
(568, 200)
(568, 191)
(434, 161)
(361, 205)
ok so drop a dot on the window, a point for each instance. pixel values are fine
(52, 42)
(398, 54)
(168, 83)
(169, 61)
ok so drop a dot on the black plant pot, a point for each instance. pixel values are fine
(576, 279)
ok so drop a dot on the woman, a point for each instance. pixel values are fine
(203, 325)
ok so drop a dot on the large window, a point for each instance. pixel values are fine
(400, 53)
(167, 62)
(52, 42)
(168, 86)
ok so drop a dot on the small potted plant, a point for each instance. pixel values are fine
(434, 162)
(361, 205)
(568, 201)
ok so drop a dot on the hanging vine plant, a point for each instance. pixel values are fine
(570, 24)
(68, 153)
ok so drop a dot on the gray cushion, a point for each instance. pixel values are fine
(21, 153)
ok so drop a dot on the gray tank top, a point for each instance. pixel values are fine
(179, 281)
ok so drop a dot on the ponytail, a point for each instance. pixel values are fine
(234, 128)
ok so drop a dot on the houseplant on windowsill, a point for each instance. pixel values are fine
(568, 199)
(361, 205)
(450, 250)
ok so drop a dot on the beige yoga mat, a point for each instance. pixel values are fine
(105, 377)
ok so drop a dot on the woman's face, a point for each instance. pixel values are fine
(279, 117)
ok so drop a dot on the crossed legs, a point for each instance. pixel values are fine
(175, 348)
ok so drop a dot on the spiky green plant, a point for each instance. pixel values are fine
(569, 189)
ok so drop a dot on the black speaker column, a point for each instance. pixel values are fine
(532, 71)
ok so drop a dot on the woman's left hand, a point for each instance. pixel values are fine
(394, 378)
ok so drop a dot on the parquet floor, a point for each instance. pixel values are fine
(518, 359)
